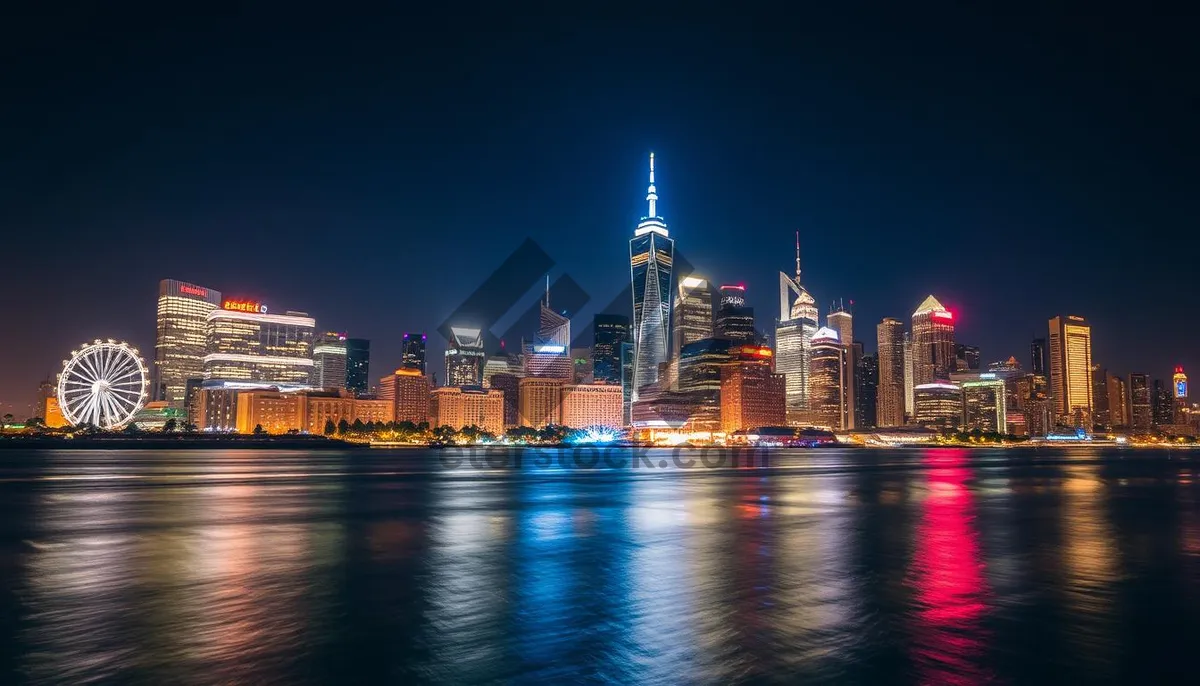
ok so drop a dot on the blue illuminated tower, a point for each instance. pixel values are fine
(651, 253)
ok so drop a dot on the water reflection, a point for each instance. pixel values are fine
(829, 566)
(947, 577)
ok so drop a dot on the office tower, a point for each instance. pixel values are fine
(1117, 393)
(1179, 387)
(412, 351)
(692, 316)
(1070, 370)
(591, 405)
(249, 348)
(966, 357)
(891, 391)
(329, 361)
(358, 365)
(985, 406)
(868, 391)
(464, 357)
(540, 402)
(458, 408)
(651, 254)
(408, 390)
(700, 364)
(1101, 408)
(828, 391)
(180, 345)
(627, 381)
(932, 343)
(550, 356)
(1163, 405)
(909, 384)
(794, 330)
(1039, 361)
(842, 321)
(609, 331)
(937, 405)
(752, 396)
(735, 319)
(1141, 411)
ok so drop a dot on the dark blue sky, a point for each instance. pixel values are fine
(372, 170)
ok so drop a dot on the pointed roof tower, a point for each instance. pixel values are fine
(929, 304)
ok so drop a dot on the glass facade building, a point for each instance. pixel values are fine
(412, 351)
(651, 260)
(252, 348)
(1071, 370)
(181, 341)
(329, 361)
(358, 365)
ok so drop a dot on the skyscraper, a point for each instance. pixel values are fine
(867, 393)
(651, 255)
(891, 389)
(932, 343)
(910, 397)
(1163, 404)
(329, 360)
(358, 365)
(179, 348)
(464, 357)
(1118, 400)
(828, 392)
(1071, 369)
(1038, 359)
(1141, 408)
(692, 316)
(1101, 407)
(735, 319)
(842, 321)
(412, 351)
(554, 328)
(794, 330)
(249, 348)
(609, 331)
(1179, 388)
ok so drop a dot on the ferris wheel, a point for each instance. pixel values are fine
(103, 384)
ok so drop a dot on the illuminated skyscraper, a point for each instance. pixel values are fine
(651, 255)
(180, 345)
(329, 361)
(984, 405)
(1141, 407)
(751, 395)
(829, 379)
(250, 348)
(1037, 354)
(1179, 388)
(554, 328)
(550, 356)
(794, 331)
(692, 316)
(909, 385)
(464, 357)
(932, 343)
(842, 321)
(1071, 370)
(1163, 404)
(609, 331)
(1118, 400)
(735, 319)
(412, 351)
(891, 389)
(867, 392)
(358, 365)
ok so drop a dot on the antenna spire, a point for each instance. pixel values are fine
(797, 257)
(547, 291)
(651, 192)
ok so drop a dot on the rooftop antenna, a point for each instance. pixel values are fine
(651, 192)
(797, 257)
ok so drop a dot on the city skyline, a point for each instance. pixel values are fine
(966, 208)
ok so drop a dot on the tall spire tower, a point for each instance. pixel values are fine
(794, 331)
(651, 254)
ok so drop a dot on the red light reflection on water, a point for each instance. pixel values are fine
(947, 576)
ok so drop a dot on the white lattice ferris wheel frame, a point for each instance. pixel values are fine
(104, 384)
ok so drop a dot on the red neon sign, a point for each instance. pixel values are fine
(193, 290)
(244, 306)
(943, 315)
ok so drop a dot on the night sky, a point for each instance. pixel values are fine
(373, 170)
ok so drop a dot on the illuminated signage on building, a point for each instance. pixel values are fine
(244, 306)
(943, 315)
(193, 290)
(1180, 380)
(555, 349)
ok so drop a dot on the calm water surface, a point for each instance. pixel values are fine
(933, 567)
